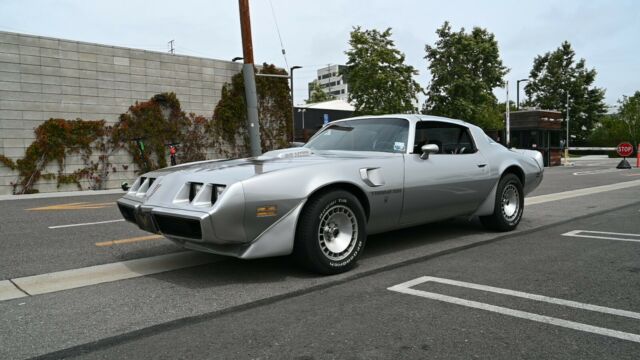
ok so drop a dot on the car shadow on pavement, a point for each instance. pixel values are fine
(280, 271)
(416, 236)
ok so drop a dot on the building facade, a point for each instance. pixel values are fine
(538, 130)
(43, 78)
(331, 82)
(309, 118)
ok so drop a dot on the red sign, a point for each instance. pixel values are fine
(625, 149)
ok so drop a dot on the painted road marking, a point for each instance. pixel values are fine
(85, 224)
(9, 291)
(130, 240)
(596, 172)
(74, 206)
(604, 235)
(406, 288)
(93, 275)
(579, 192)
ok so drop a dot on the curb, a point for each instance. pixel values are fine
(61, 194)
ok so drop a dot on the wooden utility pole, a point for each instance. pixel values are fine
(249, 79)
(245, 28)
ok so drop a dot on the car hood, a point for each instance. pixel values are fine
(230, 171)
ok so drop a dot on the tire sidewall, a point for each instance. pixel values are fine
(311, 225)
(509, 179)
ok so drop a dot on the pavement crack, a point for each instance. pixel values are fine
(19, 288)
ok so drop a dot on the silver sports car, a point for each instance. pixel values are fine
(355, 177)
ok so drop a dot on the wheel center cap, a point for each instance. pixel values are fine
(331, 231)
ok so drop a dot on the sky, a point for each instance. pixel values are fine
(316, 33)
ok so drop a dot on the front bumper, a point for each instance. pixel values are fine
(174, 224)
(195, 230)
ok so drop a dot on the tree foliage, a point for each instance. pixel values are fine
(379, 80)
(609, 131)
(621, 126)
(556, 74)
(317, 95)
(465, 68)
(157, 122)
(55, 140)
(229, 127)
(194, 140)
(630, 115)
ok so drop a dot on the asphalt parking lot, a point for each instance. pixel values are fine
(206, 306)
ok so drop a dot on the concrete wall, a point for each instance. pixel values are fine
(42, 78)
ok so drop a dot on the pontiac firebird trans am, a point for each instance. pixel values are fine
(355, 177)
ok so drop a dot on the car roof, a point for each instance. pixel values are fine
(413, 118)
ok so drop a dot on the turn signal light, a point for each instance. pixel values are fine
(268, 210)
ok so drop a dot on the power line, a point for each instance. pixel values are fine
(275, 20)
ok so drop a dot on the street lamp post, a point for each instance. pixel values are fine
(566, 149)
(518, 92)
(302, 111)
(507, 117)
(293, 130)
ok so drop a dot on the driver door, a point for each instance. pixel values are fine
(451, 183)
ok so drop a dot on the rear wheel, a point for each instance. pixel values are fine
(331, 233)
(509, 205)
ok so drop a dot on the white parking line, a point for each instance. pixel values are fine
(406, 288)
(596, 172)
(9, 291)
(579, 192)
(85, 224)
(93, 275)
(601, 235)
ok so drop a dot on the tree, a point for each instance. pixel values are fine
(556, 74)
(609, 131)
(379, 80)
(194, 142)
(157, 122)
(229, 126)
(629, 114)
(317, 95)
(465, 68)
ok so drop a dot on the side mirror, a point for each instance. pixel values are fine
(125, 186)
(427, 150)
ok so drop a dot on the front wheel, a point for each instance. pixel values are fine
(509, 204)
(331, 233)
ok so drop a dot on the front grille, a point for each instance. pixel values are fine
(127, 212)
(177, 226)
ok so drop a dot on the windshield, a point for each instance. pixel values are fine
(379, 134)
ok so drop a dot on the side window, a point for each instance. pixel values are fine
(451, 139)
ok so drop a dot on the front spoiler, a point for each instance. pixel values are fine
(194, 230)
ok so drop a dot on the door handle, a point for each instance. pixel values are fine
(482, 165)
